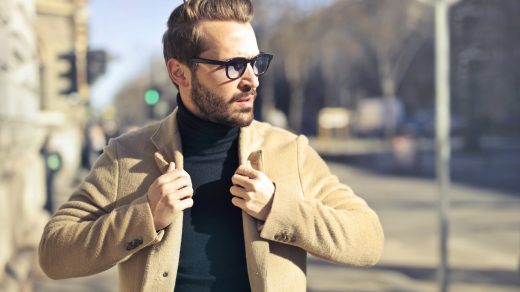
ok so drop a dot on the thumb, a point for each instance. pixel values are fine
(171, 167)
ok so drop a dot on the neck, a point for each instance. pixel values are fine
(202, 136)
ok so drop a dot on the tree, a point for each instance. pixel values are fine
(380, 36)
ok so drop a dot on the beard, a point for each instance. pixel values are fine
(219, 109)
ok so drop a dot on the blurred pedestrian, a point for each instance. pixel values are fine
(53, 164)
(209, 199)
(404, 150)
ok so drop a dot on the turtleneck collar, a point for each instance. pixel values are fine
(200, 136)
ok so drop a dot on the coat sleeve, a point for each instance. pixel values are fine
(90, 233)
(329, 220)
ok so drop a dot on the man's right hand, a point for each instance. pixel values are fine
(168, 195)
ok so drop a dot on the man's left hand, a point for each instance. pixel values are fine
(253, 191)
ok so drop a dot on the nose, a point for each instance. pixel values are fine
(249, 80)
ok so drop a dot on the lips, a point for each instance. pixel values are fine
(246, 99)
(245, 96)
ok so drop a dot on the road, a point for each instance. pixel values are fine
(484, 237)
(483, 248)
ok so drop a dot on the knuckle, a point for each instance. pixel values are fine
(160, 180)
(249, 205)
(174, 173)
(163, 189)
(169, 202)
(250, 195)
(255, 185)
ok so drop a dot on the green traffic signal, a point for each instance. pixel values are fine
(54, 162)
(152, 96)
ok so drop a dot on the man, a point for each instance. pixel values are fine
(209, 199)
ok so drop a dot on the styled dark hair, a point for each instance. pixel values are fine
(184, 40)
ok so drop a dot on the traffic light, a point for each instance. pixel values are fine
(53, 162)
(96, 64)
(70, 74)
(152, 96)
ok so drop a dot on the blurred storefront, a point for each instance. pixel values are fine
(44, 97)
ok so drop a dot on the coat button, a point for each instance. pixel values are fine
(165, 274)
(130, 245)
(134, 243)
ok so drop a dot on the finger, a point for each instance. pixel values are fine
(172, 176)
(239, 203)
(176, 185)
(184, 193)
(247, 170)
(171, 167)
(238, 192)
(242, 181)
(180, 195)
(184, 204)
(173, 198)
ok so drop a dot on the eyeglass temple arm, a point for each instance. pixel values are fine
(207, 61)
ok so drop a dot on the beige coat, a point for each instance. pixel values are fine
(108, 222)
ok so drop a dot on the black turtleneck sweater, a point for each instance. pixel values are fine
(212, 256)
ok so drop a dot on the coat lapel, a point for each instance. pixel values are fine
(257, 248)
(168, 143)
(167, 140)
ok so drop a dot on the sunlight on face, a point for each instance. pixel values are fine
(215, 97)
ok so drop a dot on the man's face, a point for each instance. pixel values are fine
(217, 98)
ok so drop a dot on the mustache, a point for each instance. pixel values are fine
(240, 96)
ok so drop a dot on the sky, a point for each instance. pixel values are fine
(131, 32)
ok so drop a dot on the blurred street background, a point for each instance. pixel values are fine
(356, 76)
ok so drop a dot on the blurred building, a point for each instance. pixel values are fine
(485, 44)
(62, 32)
(40, 97)
(21, 171)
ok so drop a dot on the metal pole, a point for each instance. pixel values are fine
(442, 133)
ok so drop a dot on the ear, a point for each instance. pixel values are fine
(179, 73)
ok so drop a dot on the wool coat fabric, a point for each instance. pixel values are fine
(107, 220)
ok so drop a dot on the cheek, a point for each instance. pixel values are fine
(226, 88)
(217, 82)
(216, 77)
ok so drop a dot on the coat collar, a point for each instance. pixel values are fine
(167, 140)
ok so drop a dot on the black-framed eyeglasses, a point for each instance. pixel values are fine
(236, 67)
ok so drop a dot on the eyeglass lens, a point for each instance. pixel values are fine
(238, 66)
